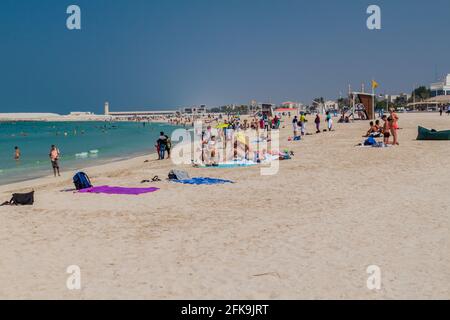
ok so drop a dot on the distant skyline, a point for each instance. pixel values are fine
(163, 54)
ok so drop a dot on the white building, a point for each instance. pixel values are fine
(331, 105)
(80, 113)
(441, 88)
(196, 110)
(294, 105)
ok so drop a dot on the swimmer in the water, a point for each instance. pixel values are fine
(16, 153)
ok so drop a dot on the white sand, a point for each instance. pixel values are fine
(309, 232)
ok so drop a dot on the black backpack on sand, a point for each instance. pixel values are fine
(21, 199)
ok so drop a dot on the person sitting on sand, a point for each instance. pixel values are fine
(54, 158)
(378, 126)
(386, 130)
(373, 129)
(16, 153)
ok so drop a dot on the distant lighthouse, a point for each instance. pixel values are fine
(106, 108)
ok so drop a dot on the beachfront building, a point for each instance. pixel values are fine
(440, 97)
(195, 110)
(331, 105)
(441, 88)
(294, 105)
(392, 98)
(290, 112)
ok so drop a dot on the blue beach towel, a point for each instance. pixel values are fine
(203, 181)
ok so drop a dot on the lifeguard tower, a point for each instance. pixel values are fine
(362, 106)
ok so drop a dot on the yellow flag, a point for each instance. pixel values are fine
(374, 84)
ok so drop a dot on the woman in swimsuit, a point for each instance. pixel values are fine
(393, 119)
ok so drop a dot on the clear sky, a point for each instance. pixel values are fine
(161, 54)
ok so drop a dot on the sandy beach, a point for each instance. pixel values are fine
(309, 232)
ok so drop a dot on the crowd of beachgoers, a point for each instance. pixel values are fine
(248, 138)
(242, 138)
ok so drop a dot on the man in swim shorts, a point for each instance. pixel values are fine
(54, 157)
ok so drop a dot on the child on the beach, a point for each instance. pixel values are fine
(54, 157)
(386, 130)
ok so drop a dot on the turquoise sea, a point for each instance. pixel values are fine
(81, 144)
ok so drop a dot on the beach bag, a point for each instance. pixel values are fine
(21, 199)
(370, 141)
(82, 181)
(178, 175)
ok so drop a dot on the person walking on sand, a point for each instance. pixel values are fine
(54, 158)
(317, 122)
(16, 153)
(329, 121)
(393, 121)
(441, 111)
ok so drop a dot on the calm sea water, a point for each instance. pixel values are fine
(81, 144)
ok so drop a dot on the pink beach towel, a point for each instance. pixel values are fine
(118, 190)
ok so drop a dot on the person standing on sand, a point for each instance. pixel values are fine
(168, 146)
(162, 142)
(16, 153)
(393, 121)
(295, 126)
(386, 130)
(303, 123)
(54, 158)
(440, 111)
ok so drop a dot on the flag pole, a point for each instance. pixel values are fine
(373, 99)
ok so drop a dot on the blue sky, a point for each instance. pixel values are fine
(161, 54)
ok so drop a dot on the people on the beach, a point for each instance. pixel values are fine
(303, 121)
(329, 120)
(162, 145)
(295, 126)
(393, 119)
(16, 153)
(317, 122)
(374, 130)
(54, 158)
(386, 130)
(168, 146)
